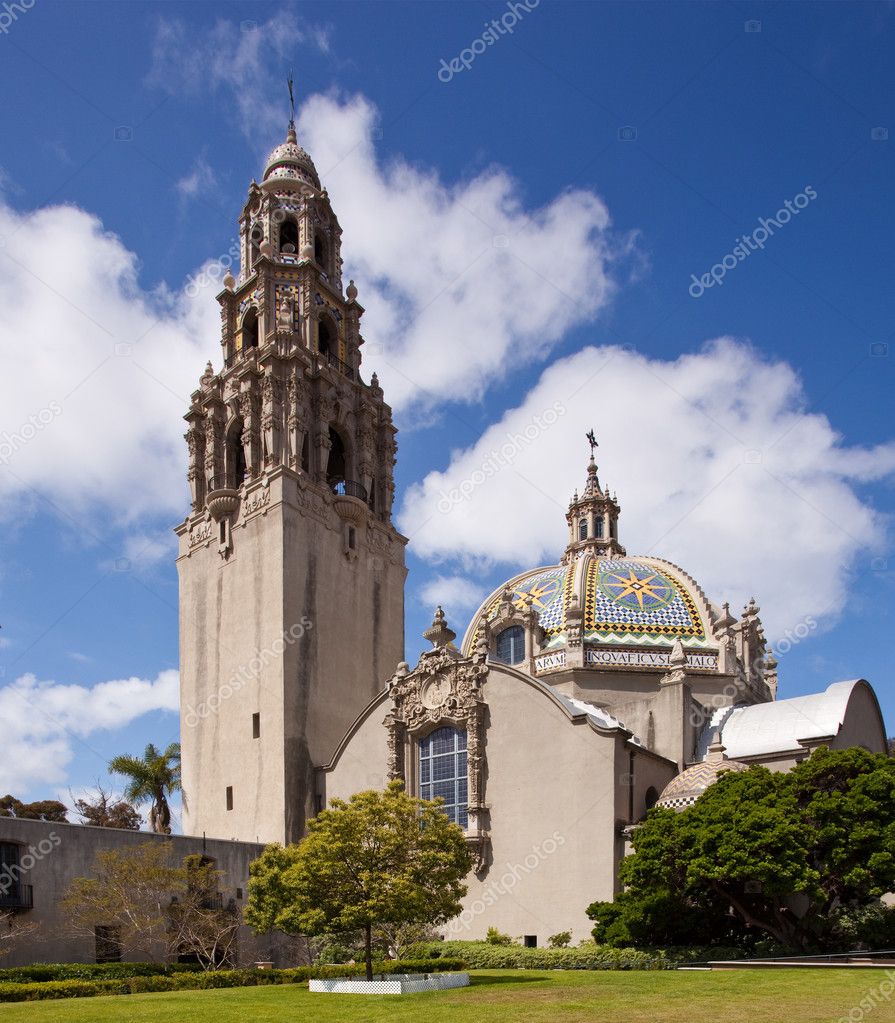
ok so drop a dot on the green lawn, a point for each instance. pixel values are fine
(520, 996)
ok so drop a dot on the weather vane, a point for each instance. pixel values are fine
(290, 81)
(592, 440)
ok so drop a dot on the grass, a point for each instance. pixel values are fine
(520, 996)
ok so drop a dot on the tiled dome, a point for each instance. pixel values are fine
(288, 162)
(683, 790)
(627, 601)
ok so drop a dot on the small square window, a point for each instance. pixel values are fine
(239, 893)
(531, 941)
(256, 726)
(229, 797)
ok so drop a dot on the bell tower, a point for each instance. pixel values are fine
(592, 517)
(291, 571)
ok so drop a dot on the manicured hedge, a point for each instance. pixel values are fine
(479, 955)
(91, 971)
(184, 980)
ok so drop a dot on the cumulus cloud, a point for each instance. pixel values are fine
(51, 719)
(455, 593)
(460, 281)
(718, 464)
(103, 370)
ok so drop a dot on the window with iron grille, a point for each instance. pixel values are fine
(442, 763)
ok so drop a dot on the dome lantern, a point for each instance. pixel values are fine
(593, 517)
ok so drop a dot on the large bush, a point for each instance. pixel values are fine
(480, 955)
(42, 972)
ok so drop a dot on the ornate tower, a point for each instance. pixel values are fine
(291, 571)
(593, 520)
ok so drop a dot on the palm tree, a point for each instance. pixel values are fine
(153, 778)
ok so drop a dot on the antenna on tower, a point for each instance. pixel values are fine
(290, 82)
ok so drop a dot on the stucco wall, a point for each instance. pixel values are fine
(559, 793)
(62, 852)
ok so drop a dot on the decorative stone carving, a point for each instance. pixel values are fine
(444, 689)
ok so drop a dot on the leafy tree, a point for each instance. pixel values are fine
(105, 811)
(494, 937)
(561, 940)
(43, 810)
(158, 908)
(379, 858)
(129, 890)
(153, 778)
(782, 854)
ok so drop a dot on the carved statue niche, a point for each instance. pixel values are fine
(444, 689)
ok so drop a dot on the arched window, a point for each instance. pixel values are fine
(256, 237)
(325, 338)
(289, 236)
(511, 645)
(335, 466)
(320, 250)
(582, 529)
(651, 798)
(250, 329)
(598, 527)
(442, 767)
(235, 455)
(613, 529)
(306, 454)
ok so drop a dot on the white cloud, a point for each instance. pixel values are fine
(46, 721)
(455, 593)
(718, 464)
(239, 57)
(103, 370)
(201, 179)
(461, 283)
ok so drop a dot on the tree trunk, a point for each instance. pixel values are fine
(368, 949)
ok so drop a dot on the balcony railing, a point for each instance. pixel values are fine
(349, 488)
(17, 896)
(337, 364)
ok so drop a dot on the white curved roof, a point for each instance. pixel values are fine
(599, 716)
(781, 726)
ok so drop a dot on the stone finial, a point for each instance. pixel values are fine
(351, 291)
(716, 748)
(265, 248)
(439, 634)
(208, 375)
(229, 281)
(678, 658)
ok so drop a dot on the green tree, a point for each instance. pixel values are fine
(42, 810)
(152, 778)
(786, 854)
(105, 811)
(379, 858)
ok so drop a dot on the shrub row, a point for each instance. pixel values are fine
(183, 980)
(91, 971)
(479, 955)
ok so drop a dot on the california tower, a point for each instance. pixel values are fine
(291, 572)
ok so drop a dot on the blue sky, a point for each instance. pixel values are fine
(523, 235)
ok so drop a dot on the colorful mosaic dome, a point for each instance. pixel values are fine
(683, 790)
(627, 601)
(288, 162)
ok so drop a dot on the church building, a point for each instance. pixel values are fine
(581, 694)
